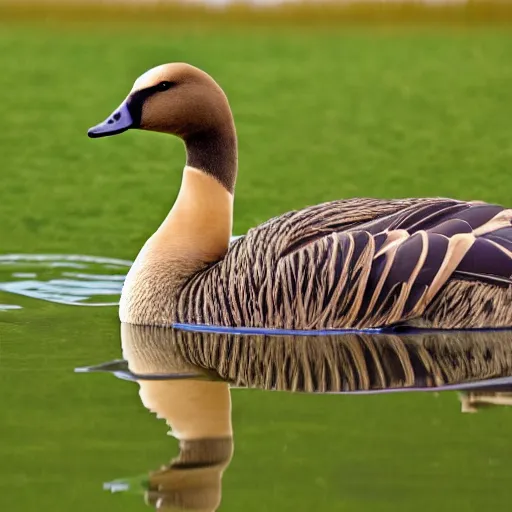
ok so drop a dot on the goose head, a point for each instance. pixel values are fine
(182, 100)
(175, 98)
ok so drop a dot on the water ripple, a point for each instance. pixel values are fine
(65, 279)
(72, 279)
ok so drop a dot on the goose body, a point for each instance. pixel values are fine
(361, 263)
(354, 263)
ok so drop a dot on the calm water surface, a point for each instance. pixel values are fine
(360, 422)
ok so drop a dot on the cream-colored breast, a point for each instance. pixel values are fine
(195, 233)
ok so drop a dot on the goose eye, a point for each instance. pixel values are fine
(163, 86)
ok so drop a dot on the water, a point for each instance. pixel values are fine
(188, 378)
(354, 421)
(64, 279)
(355, 362)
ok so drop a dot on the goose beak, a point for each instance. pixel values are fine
(120, 121)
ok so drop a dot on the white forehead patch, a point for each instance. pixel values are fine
(149, 78)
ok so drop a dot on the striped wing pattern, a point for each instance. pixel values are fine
(358, 263)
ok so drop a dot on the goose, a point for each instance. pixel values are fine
(349, 263)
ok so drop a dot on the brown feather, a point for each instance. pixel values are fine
(302, 270)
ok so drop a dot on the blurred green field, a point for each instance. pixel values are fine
(321, 114)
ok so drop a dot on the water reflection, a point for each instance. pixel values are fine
(472, 401)
(199, 414)
(185, 377)
(342, 363)
(190, 482)
(198, 410)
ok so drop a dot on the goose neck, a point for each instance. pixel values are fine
(214, 151)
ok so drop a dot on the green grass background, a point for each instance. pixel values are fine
(321, 114)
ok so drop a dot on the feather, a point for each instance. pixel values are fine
(363, 263)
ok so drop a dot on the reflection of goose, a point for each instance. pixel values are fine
(199, 414)
(472, 401)
(350, 263)
(198, 409)
(336, 363)
(193, 480)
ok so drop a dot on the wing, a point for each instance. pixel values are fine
(235, 292)
(489, 257)
(390, 270)
(354, 263)
(293, 230)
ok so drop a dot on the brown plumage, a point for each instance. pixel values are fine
(322, 364)
(363, 263)
(429, 262)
